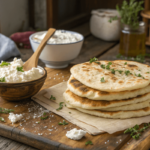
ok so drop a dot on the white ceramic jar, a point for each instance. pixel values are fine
(102, 28)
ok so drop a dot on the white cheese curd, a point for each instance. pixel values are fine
(59, 37)
(75, 134)
(15, 117)
(12, 75)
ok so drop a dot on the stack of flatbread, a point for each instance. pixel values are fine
(110, 89)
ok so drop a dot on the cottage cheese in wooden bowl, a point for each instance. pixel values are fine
(63, 47)
(17, 84)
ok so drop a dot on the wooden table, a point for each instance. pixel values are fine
(27, 130)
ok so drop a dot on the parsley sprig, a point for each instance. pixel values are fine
(5, 110)
(52, 97)
(129, 13)
(63, 123)
(44, 117)
(2, 79)
(89, 143)
(60, 106)
(4, 63)
(94, 60)
(102, 80)
(20, 69)
(135, 132)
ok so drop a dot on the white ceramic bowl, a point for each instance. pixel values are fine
(58, 55)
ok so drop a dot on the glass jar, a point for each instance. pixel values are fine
(132, 40)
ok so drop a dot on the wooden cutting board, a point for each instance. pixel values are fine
(27, 131)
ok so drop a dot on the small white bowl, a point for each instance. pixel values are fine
(58, 55)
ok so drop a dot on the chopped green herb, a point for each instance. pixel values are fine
(63, 123)
(127, 72)
(102, 80)
(5, 110)
(147, 72)
(52, 97)
(69, 112)
(2, 79)
(2, 119)
(89, 143)
(44, 113)
(120, 71)
(108, 67)
(103, 66)
(125, 63)
(110, 63)
(4, 63)
(93, 59)
(139, 75)
(20, 69)
(44, 118)
(97, 62)
(112, 71)
(60, 106)
(135, 131)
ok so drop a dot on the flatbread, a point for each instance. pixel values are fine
(82, 90)
(134, 75)
(136, 106)
(85, 103)
(116, 114)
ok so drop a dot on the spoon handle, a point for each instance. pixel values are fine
(33, 60)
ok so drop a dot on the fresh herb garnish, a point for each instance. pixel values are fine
(138, 75)
(52, 97)
(2, 79)
(127, 72)
(89, 143)
(20, 69)
(44, 113)
(93, 59)
(147, 72)
(102, 80)
(125, 63)
(112, 71)
(60, 106)
(63, 123)
(103, 66)
(5, 110)
(108, 67)
(4, 63)
(120, 71)
(69, 112)
(129, 13)
(110, 63)
(2, 119)
(135, 131)
(44, 118)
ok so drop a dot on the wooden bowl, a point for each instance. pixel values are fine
(23, 90)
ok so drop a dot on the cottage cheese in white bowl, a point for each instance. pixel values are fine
(63, 47)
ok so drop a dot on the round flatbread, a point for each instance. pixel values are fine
(82, 90)
(116, 114)
(85, 103)
(114, 76)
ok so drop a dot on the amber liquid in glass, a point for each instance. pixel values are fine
(132, 44)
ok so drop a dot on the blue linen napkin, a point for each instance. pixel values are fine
(8, 48)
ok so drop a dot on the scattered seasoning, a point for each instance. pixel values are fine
(60, 106)
(103, 66)
(102, 80)
(135, 132)
(89, 143)
(125, 63)
(52, 97)
(4, 63)
(20, 69)
(112, 71)
(94, 60)
(2, 79)
(5, 110)
(2, 119)
(63, 123)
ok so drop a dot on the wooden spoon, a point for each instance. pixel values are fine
(33, 60)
